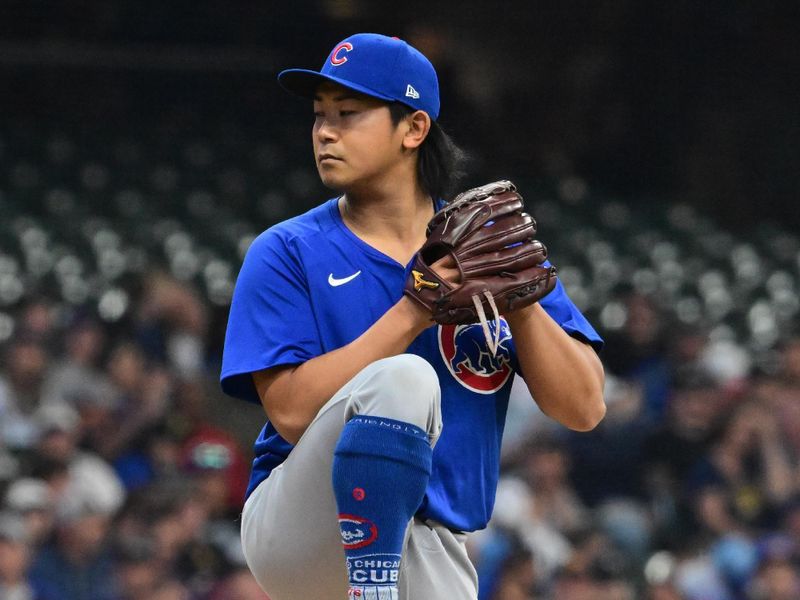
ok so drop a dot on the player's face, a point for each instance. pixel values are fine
(355, 142)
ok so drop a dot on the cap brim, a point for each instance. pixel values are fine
(304, 83)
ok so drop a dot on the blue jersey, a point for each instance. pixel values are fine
(309, 285)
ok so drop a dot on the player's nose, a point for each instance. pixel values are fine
(325, 131)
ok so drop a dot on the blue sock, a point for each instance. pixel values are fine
(380, 470)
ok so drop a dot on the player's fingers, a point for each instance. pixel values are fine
(446, 269)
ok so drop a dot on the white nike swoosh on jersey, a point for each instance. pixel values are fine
(337, 282)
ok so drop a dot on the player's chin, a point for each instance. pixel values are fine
(334, 181)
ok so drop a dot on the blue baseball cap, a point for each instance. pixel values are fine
(377, 65)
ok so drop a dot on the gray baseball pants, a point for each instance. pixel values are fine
(290, 531)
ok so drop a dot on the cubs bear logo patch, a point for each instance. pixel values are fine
(463, 349)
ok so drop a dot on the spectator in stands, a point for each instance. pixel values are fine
(779, 390)
(154, 454)
(599, 477)
(172, 324)
(172, 514)
(534, 501)
(32, 500)
(776, 579)
(145, 389)
(37, 320)
(209, 453)
(639, 353)
(505, 564)
(748, 466)
(517, 577)
(217, 465)
(628, 524)
(140, 576)
(672, 449)
(783, 541)
(555, 503)
(54, 472)
(595, 563)
(76, 565)
(88, 476)
(77, 374)
(15, 557)
(21, 379)
(26, 365)
(137, 572)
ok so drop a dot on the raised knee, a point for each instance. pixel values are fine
(409, 373)
(404, 388)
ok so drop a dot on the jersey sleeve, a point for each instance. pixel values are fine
(270, 321)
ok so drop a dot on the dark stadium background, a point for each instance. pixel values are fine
(143, 144)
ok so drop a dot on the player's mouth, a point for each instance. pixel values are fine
(327, 157)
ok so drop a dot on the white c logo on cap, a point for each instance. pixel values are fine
(336, 60)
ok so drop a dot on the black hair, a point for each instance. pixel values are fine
(441, 164)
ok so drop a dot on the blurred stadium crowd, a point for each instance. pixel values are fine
(115, 481)
(129, 198)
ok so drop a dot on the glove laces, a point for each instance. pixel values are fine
(492, 341)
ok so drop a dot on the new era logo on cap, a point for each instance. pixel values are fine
(375, 65)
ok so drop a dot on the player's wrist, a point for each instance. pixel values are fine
(521, 317)
(414, 314)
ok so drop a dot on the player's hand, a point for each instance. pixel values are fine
(447, 270)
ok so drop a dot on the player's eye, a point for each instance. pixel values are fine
(346, 113)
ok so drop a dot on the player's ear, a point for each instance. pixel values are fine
(418, 125)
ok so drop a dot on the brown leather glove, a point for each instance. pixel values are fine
(491, 241)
